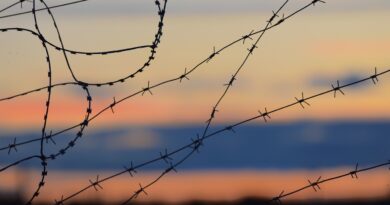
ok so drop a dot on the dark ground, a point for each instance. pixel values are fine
(246, 201)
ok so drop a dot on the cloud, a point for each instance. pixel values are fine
(313, 134)
(327, 80)
(135, 139)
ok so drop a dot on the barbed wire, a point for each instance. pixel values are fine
(195, 141)
(36, 10)
(38, 33)
(229, 84)
(316, 184)
(45, 118)
(153, 47)
(12, 5)
(179, 78)
(148, 89)
(195, 144)
(186, 73)
(166, 156)
(158, 35)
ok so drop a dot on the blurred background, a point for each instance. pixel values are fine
(339, 40)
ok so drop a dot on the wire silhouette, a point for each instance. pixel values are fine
(47, 104)
(37, 10)
(149, 89)
(84, 85)
(150, 58)
(179, 78)
(229, 84)
(316, 185)
(166, 156)
(39, 35)
(194, 145)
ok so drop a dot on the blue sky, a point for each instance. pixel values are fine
(285, 146)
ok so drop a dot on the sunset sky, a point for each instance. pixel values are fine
(340, 40)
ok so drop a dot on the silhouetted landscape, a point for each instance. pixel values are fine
(245, 201)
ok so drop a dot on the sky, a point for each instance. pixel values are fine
(342, 40)
(306, 54)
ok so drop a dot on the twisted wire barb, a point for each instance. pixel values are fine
(194, 145)
(316, 187)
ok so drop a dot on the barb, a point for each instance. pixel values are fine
(248, 36)
(265, 115)
(315, 185)
(166, 157)
(147, 89)
(335, 89)
(302, 101)
(212, 55)
(196, 143)
(59, 202)
(184, 76)
(354, 172)
(131, 170)
(374, 77)
(48, 137)
(96, 184)
(139, 191)
(273, 17)
(12, 146)
(112, 106)
(277, 198)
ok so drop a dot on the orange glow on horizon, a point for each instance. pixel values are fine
(207, 185)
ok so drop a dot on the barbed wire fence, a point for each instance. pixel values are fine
(194, 146)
